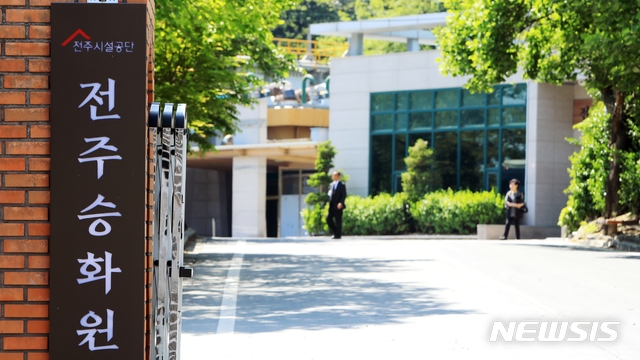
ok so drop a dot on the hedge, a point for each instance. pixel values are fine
(440, 212)
(449, 212)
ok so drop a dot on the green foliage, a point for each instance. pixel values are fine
(383, 214)
(314, 219)
(321, 179)
(204, 50)
(441, 212)
(552, 42)
(630, 182)
(314, 215)
(449, 212)
(295, 22)
(416, 180)
(589, 170)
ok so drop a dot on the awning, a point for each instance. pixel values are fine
(286, 154)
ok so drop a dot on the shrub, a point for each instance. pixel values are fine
(379, 215)
(441, 212)
(449, 212)
(314, 219)
(416, 180)
(316, 211)
(589, 170)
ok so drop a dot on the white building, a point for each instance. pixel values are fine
(380, 105)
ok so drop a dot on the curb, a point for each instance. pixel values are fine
(611, 244)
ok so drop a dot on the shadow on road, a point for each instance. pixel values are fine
(282, 291)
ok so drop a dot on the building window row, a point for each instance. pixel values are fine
(479, 140)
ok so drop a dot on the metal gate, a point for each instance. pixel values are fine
(168, 129)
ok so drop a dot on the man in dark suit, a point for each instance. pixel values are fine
(337, 195)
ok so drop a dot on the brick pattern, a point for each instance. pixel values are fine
(24, 178)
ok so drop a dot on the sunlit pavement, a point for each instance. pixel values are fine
(358, 298)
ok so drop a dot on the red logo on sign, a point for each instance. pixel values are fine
(78, 32)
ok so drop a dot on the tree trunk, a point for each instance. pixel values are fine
(618, 140)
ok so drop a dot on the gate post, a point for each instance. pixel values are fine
(169, 133)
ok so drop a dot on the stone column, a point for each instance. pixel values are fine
(356, 44)
(413, 45)
(549, 123)
(249, 196)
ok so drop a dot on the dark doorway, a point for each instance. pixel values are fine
(272, 204)
(272, 218)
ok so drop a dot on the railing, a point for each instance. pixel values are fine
(321, 50)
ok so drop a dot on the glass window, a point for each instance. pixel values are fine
(513, 148)
(445, 156)
(447, 99)
(472, 160)
(401, 149)
(493, 117)
(494, 97)
(514, 95)
(511, 116)
(381, 170)
(493, 146)
(401, 122)
(422, 100)
(446, 119)
(469, 99)
(290, 183)
(472, 117)
(382, 122)
(382, 102)
(419, 121)
(478, 139)
(401, 101)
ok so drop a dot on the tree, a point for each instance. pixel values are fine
(416, 181)
(553, 41)
(204, 53)
(321, 179)
(590, 168)
(295, 22)
(315, 213)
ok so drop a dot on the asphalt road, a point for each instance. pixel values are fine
(359, 298)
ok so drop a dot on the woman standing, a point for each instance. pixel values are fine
(513, 202)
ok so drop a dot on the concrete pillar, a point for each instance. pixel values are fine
(252, 124)
(413, 45)
(356, 44)
(549, 122)
(249, 196)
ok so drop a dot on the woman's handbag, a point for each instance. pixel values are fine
(524, 209)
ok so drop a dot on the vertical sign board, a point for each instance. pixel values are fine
(97, 213)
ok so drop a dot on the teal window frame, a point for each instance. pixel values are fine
(458, 128)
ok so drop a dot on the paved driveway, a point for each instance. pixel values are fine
(360, 298)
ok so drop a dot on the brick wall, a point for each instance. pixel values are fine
(24, 178)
